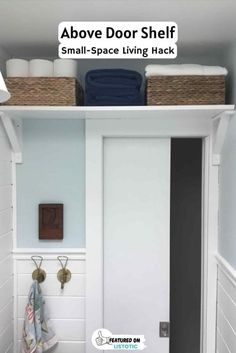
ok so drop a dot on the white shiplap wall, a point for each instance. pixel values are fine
(66, 308)
(226, 308)
(6, 263)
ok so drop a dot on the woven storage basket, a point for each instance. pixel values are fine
(185, 90)
(55, 91)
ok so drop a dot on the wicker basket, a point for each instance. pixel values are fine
(62, 91)
(185, 90)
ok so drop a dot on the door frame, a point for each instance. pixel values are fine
(96, 131)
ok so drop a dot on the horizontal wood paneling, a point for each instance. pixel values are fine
(6, 293)
(226, 309)
(65, 347)
(5, 245)
(6, 269)
(70, 330)
(227, 306)
(5, 173)
(6, 197)
(5, 221)
(221, 345)
(70, 347)
(6, 338)
(10, 348)
(66, 308)
(6, 262)
(226, 331)
(6, 313)
(228, 285)
(70, 307)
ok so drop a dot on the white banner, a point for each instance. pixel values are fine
(117, 40)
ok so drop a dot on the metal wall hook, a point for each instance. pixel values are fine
(61, 259)
(63, 275)
(36, 258)
(38, 274)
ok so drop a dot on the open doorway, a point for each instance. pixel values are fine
(185, 245)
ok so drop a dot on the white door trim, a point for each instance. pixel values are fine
(95, 132)
(210, 189)
(94, 233)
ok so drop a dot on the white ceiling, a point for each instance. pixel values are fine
(28, 28)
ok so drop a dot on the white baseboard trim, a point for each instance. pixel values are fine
(229, 271)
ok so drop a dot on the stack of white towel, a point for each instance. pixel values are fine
(41, 68)
(184, 69)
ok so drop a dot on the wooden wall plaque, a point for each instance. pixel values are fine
(51, 221)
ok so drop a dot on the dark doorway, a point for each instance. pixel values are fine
(185, 245)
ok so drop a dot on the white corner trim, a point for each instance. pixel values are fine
(229, 271)
(222, 123)
(12, 136)
(49, 254)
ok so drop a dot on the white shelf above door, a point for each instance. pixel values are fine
(169, 121)
(115, 112)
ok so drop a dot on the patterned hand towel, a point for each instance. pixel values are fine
(38, 335)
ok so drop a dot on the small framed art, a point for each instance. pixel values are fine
(51, 221)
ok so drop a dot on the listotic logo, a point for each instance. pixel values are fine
(103, 339)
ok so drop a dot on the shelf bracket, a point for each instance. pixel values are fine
(13, 132)
(220, 126)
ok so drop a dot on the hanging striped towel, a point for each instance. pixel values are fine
(38, 335)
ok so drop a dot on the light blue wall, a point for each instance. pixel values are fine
(227, 203)
(53, 171)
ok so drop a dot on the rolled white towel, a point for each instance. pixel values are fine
(17, 68)
(40, 68)
(65, 68)
(184, 69)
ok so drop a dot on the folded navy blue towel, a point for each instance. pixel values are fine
(103, 100)
(112, 91)
(108, 78)
(113, 87)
